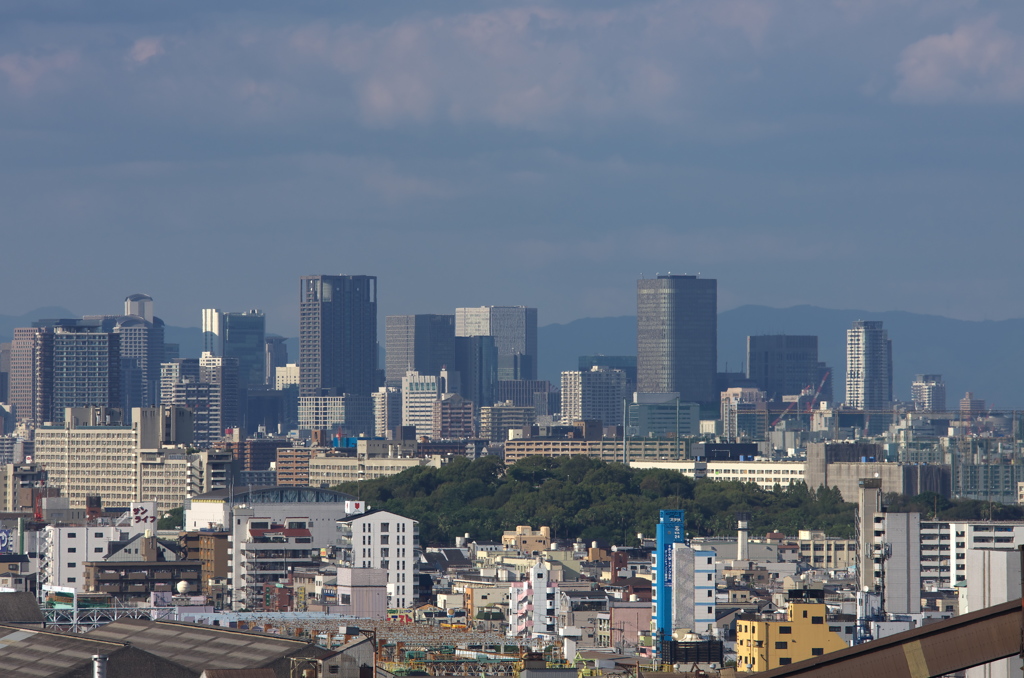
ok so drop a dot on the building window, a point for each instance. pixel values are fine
(781, 645)
(817, 651)
(835, 629)
(785, 661)
(785, 629)
(71, 580)
(72, 550)
(817, 620)
(385, 527)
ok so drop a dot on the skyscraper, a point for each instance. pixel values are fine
(514, 329)
(338, 335)
(425, 343)
(782, 364)
(868, 366)
(241, 336)
(677, 337)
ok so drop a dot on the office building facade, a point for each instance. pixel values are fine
(782, 364)
(598, 393)
(338, 335)
(425, 343)
(241, 336)
(514, 329)
(677, 337)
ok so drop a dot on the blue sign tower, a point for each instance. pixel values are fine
(671, 530)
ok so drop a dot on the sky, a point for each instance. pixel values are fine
(836, 153)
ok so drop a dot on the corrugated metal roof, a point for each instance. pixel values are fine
(203, 647)
(31, 653)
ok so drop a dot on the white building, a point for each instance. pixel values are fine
(993, 578)
(693, 589)
(286, 376)
(868, 366)
(531, 605)
(767, 474)
(387, 410)
(63, 550)
(419, 393)
(388, 541)
(351, 413)
(598, 393)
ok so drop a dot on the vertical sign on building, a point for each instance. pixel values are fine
(671, 530)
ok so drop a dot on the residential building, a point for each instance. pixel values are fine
(388, 541)
(424, 343)
(497, 420)
(763, 643)
(766, 474)
(626, 363)
(744, 414)
(350, 414)
(453, 418)
(338, 335)
(514, 329)
(607, 449)
(598, 394)
(531, 604)
(869, 372)
(209, 388)
(326, 468)
(670, 531)
(527, 540)
(285, 376)
(677, 337)
(139, 566)
(928, 392)
(419, 393)
(387, 410)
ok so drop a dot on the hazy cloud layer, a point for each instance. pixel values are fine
(858, 154)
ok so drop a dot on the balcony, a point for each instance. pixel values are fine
(138, 576)
(109, 576)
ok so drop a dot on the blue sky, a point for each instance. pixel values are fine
(843, 154)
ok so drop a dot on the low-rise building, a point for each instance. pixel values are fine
(804, 631)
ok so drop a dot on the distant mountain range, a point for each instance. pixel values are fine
(981, 356)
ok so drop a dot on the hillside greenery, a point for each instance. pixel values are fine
(579, 497)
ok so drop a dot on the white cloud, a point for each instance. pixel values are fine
(978, 62)
(145, 49)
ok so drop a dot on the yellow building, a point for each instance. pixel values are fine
(762, 645)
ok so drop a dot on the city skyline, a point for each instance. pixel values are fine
(550, 155)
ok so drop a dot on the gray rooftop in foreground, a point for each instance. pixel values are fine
(204, 647)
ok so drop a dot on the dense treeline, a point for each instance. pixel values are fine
(590, 499)
(936, 507)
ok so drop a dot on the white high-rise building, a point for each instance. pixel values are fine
(388, 541)
(387, 410)
(598, 393)
(868, 366)
(928, 393)
(514, 329)
(419, 393)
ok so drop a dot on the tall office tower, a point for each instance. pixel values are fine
(276, 355)
(476, 361)
(425, 343)
(86, 366)
(31, 377)
(209, 388)
(928, 392)
(419, 392)
(387, 410)
(782, 364)
(338, 335)
(677, 338)
(241, 336)
(514, 329)
(598, 393)
(868, 366)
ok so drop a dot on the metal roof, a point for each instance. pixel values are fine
(31, 653)
(204, 647)
(274, 495)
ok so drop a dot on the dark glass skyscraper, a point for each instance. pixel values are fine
(241, 336)
(425, 343)
(337, 335)
(783, 364)
(677, 337)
